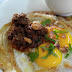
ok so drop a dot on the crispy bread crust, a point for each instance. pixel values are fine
(44, 12)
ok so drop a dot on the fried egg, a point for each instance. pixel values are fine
(51, 60)
(51, 63)
(59, 64)
(64, 38)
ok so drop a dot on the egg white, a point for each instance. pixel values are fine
(26, 65)
(61, 68)
(1, 70)
(23, 61)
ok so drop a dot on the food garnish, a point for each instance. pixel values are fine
(66, 56)
(33, 55)
(57, 31)
(47, 38)
(69, 51)
(50, 51)
(47, 21)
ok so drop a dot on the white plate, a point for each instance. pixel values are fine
(10, 7)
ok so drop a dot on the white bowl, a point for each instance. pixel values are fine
(60, 7)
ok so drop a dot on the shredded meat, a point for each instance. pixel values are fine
(23, 35)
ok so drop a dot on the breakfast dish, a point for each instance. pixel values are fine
(39, 41)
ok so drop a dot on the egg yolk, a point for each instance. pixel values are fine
(64, 38)
(64, 42)
(50, 61)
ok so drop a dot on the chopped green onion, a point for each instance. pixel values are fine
(47, 38)
(47, 21)
(33, 55)
(54, 54)
(66, 56)
(43, 47)
(69, 51)
(56, 34)
(45, 56)
(51, 47)
(70, 46)
(50, 51)
(60, 51)
(57, 31)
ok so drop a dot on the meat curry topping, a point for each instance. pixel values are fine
(23, 34)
